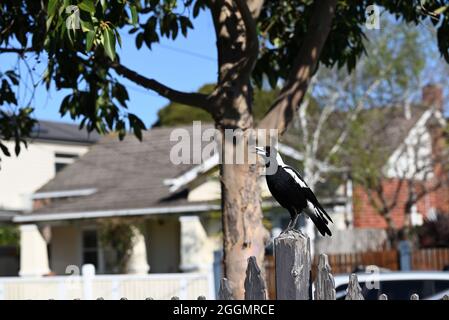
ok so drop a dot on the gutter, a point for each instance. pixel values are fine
(63, 194)
(38, 217)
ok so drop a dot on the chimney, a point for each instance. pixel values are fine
(432, 96)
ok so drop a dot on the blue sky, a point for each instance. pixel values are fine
(184, 64)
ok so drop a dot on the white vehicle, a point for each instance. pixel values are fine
(399, 285)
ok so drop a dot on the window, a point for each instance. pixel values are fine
(90, 247)
(63, 159)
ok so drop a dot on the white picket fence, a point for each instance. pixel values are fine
(90, 286)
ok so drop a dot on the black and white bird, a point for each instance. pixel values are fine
(292, 192)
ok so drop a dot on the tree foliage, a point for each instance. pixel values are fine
(82, 60)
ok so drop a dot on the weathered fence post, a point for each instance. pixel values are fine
(354, 290)
(225, 293)
(293, 264)
(324, 284)
(254, 283)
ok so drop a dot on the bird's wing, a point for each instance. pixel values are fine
(295, 175)
(306, 190)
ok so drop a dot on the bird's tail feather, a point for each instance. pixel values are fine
(319, 222)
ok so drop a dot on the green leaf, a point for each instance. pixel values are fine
(49, 21)
(90, 36)
(109, 43)
(199, 4)
(103, 5)
(17, 147)
(119, 38)
(185, 25)
(5, 150)
(13, 77)
(441, 10)
(139, 40)
(174, 28)
(87, 5)
(87, 26)
(134, 16)
(51, 7)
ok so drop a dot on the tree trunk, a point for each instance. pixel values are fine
(243, 232)
(391, 231)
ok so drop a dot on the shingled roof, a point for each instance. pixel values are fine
(60, 131)
(124, 175)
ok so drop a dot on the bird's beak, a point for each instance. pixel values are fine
(260, 150)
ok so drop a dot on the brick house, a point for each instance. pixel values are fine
(425, 121)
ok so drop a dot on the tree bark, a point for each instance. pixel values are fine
(243, 232)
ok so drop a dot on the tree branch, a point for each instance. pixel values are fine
(16, 50)
(252, 41)
(189, 98)
(283, 109)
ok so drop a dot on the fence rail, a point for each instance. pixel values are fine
(110, 287)
(289, 276)
(421, 259)
(430, 259)
(293, 267)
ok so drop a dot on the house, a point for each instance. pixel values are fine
(413, 142)
(52, 146)
(171, 208)
(117, 180)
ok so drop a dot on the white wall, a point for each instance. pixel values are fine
(409, 159)
(21, 176)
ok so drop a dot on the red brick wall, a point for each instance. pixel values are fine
(366, 216)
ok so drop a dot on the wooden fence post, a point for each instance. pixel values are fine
(254, 283)
(225, 293)
(354, 289)
(293, 264)
(324, 284)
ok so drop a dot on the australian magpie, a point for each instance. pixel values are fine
(292, 192)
